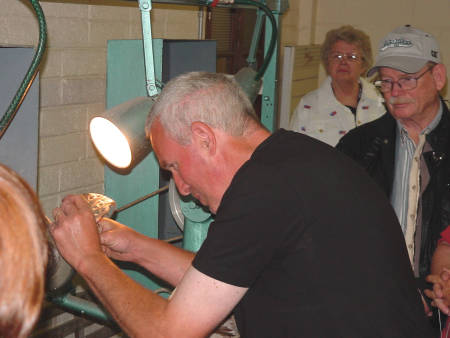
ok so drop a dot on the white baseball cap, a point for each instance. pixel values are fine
(406, 49)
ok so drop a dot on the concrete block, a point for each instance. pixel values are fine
(48, 180)
(51, 64)
(68, 32)
(136, 31)
(67, 10)
(3, 30)
(115, 13)
(94, 109)
(81, 174)
(84, 61)
(22, 30)
(135, 15)
(91, 151)
(96, 188)
(50, 91)
(62, 120)
(182, 24)
(83, 90)
(61, 149)
(102, 31)
(49, 203)
(9, 8)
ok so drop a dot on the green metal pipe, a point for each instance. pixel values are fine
(82, 307)
(274, 34)
(17, 100)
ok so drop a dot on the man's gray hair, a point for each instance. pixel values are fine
(214, 99)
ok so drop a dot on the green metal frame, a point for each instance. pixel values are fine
(126, 80)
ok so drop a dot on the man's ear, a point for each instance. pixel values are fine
(204, 137)
(440, 75)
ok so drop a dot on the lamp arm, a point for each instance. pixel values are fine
(145, 7)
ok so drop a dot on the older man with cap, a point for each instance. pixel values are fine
(407, 150)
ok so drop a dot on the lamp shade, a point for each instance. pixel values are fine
(119, 133)
(246, 78)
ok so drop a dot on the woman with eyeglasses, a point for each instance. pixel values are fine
(345, 99)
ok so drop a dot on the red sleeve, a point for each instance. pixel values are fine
(445, 235)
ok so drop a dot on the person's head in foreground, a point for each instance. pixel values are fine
(23, 255)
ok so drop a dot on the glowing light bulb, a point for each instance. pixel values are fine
(110, 142)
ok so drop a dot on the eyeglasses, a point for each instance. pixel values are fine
(338, 57)
(405, 83)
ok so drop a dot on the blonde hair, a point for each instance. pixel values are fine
(23, 255)
(352, 36)
(211, 98)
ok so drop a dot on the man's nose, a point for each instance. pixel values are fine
(395, 89)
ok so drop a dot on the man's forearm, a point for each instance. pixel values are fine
(137, 310)
(162, 259)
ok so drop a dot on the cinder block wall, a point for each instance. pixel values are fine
(73, 78)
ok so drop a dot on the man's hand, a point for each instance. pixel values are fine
(440, 294)
(75, 231)
(117, 239)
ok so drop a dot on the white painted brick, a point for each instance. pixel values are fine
(96, 188)
(85, 61)
(50, 91)
(115, 13)
(3, 30)
(62, 120)
(83, 90)
(136, 31)
(9, 8)
(51, 63)
(102, 31)
(48, 180)
(66, 10)
(182, 24)
(67, 32)
(49, 203)
(135, 15)
(159, 18)
(95, 109)
(91, 151)
(61, 149)
(81, 174)
(22, 30)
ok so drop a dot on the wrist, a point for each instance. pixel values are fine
(89, 264)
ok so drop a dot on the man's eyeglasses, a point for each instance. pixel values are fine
(405, 83)
(338, 57)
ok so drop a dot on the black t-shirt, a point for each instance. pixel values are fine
(317, 244)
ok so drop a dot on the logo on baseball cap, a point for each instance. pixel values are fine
(406, 49)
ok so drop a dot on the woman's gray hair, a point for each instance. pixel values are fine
(352, 36)
(211, 98)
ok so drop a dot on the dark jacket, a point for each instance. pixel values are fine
(373, 146)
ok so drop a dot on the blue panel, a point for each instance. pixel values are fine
(19, 144)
